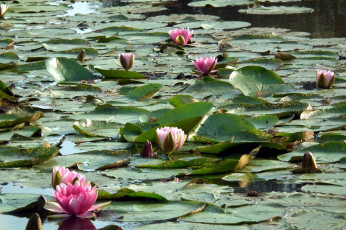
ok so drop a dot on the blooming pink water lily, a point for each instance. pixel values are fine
(205, 65)
(170, 139)
(180, 36)
(325, 79)
(126, 60)
(75, 199)
(3, 10)
(65, 176)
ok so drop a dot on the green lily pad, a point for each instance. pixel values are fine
(256, 80)
(185, 111)
(199, 162)
(216, 168)
(181, 100)
(8, 60)
(10, 120)
(126, 193)
(120, 74)
(223, 127)
(284, 109)
(328, 152)
(244, 215)
(59, 44)
(65, 70)
(97, 128)
(120, 114)
(15, 157)
(275, 10)
(92, 160)
(157, 212)
(263, 165)
(13, 203)
(143, 92)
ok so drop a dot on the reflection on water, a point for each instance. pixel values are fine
(327, 20)
(82, 8)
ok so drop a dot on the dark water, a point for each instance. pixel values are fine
(328, 19)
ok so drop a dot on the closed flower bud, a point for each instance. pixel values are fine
(3, 10)
(126, 60)
(170, 139)
(325, 79)
(309, 161)
(147, 150)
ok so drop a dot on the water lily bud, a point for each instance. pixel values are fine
(81, 56)
(3, 10)
(62, 175)
(325, 79)
(126, 60)
(170, 139)
(180, 36)
(205, 65)
(147, 150)
(309, 161)
(34, 223)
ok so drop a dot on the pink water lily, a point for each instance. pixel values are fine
(180, 36)
(170, 139)
(3, 10)
(126, 60)
(205, 65)
(325, 79)
(65, 176)
(75, 199)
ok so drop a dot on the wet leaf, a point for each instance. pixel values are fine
(120, 74)
(66, 70)
(15, 157)
(254, 79)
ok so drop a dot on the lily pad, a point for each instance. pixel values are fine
(96, 128)
(120, 74)
(223, 127)
(274, 10)
(157, 212)
(328, 152)
(243, 215)
(65, 70)
(256, 80)
(15, 157)
(143, 92)
(8, 60)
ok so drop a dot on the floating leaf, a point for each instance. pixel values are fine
(255, 80)
(181, 100)
(96, 128)
(120, 74)
(10, 120)
(223, 127)
(65, 70)
(143, 92)
(331, 151)
(125, 193)
(15, 157)
(8, 60)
